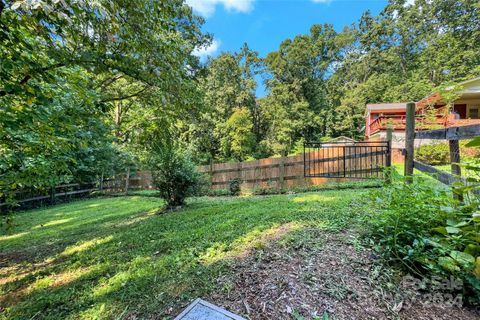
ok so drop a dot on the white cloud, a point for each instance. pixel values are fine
(322, 1)
(207, 7)
(409, 2)
(204, 52)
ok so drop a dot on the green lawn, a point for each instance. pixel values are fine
(115, 257)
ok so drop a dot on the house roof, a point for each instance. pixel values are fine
(471, 81)
(470, 89)
(386, 106)
(343, 139)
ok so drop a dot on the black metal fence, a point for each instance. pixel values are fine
(37, 197)
(356, 160)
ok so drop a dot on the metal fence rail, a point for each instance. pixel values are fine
(356, 160)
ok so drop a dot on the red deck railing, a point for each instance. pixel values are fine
(399, 122)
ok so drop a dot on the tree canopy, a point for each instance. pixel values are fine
(317, 84)
(66, 66)
(86, 87)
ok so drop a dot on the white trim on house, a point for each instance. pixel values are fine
(386, 106)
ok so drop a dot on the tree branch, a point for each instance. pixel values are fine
(2, 6)
(125, 97)
(28, 76)
(109, 81)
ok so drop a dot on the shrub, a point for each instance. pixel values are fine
(174, 174)
(423, 228)
(234, 187)
(433, 154)
(218, 192)
(439, 153)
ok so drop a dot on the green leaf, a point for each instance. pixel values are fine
(473, 249)
(477, 267)
(462, 258)
(475, 142)
(441, 230)
(448, 264)
(476, 216)
(453, 230)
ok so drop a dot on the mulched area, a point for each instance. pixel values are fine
(327, 278)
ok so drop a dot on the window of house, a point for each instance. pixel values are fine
(473, 112)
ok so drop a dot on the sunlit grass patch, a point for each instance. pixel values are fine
(52, 223)
(240, 247)
(106, 258)
(13, 236)
(85, 245)
(314, 197)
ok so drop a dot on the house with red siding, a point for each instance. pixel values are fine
(432, 112)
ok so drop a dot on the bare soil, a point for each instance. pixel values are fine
(325, 278)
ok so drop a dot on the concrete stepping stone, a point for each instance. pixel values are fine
(203, 310)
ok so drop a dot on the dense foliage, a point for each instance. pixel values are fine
(433, 154)
(87, 86)
(421, 227)
(79, 80)
(318, 84)
(174, 174)
(439, 153)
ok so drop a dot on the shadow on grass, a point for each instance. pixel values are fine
(114, 257)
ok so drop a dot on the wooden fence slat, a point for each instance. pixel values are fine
(442, 176)
(438, 134)
(453, 133)
(351, 156)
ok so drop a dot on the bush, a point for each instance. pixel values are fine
(433, 154)
(234, 187)
(421, 227)
(218, 192)
(439, 153)
(174, 175)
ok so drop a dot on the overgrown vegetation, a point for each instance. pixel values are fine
(439, 153)
(174, 174)
(83, 94)
(421, 227)
(318, 83)
(110, 258)
(83, 82)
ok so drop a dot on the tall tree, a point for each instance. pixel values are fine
(228, 86)
(66, 64)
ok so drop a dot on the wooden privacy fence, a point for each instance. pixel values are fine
(321, 163)
(294, 171)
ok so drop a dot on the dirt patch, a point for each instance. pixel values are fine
(329, 281)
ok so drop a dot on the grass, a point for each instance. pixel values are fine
(109, 258)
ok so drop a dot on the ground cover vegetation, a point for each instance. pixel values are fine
(428, 231)
(280, 257)
(87, 87)
(113, 257)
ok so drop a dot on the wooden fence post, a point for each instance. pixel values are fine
(455, 160)
(409, 141)
(281, 172)
(101, 183)
(210, 172)
(388, 175)
(52, 194)
(127, 180)
(455, 156)
(240, 174)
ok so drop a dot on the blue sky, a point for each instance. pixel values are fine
(263, 24)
